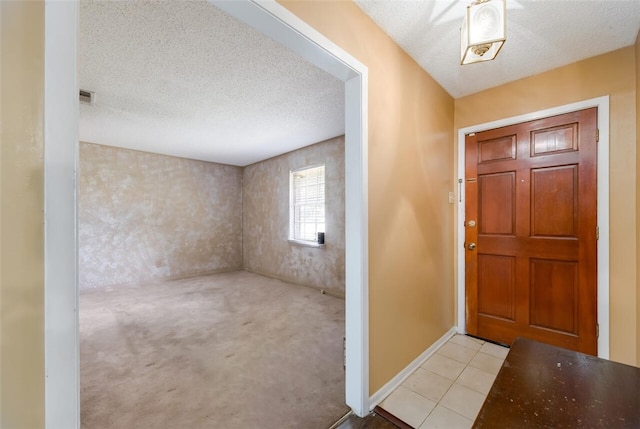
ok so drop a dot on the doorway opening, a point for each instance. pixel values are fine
(61, 161)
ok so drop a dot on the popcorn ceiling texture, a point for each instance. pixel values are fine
(541, 35)
(145, 216)
(169, 71)
(266, 219)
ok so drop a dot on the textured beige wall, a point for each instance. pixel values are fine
(144, 216)
(21, 215)
(411, 147)
(266, 219)
(611, 74)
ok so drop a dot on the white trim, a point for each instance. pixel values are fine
(61, 348)
(396, 381)
(357, 246)
(300, 178)
(602, 103)
(275, 21)
(603, 222)
(62, 391)
(306, 243)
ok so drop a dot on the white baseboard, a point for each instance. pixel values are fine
(396, 381)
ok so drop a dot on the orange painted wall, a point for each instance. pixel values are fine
(411, 295)
(612, 74)
(637, 54)
(21, 215)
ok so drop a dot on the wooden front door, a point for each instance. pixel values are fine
(530, 232)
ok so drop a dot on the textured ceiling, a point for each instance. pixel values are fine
(541, 35)
(184, 78)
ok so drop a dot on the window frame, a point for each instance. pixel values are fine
(292, 204)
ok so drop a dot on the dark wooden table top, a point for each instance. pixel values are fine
(541, 386)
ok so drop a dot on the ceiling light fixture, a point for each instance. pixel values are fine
(484, 31)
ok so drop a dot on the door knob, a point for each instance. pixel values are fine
(471, 246)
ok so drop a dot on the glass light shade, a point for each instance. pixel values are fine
(483, 31)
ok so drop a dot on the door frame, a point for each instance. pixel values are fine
(61, 111)
(602, 103)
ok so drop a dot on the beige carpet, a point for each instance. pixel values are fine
(234, 350)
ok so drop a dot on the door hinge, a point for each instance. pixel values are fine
(344, 353)
(597, 233)
(597, 330)
(597, 135)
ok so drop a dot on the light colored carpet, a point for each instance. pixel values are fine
(233, 350)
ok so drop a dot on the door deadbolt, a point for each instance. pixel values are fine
(471, 246)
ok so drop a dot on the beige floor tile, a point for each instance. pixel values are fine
(486, 362)
(468, 342)
(459, 375)
(444, 366)
(459, 353)
(443, 418)
(494, 350)
(408, 406)
(430, 385)
(476, 379)
(463, 400)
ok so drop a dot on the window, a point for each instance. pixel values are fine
(306, 206)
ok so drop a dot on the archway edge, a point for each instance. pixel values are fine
(62, 363)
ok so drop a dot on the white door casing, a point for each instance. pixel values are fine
(62, 388)
(602, 103)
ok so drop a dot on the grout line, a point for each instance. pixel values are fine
(455, 381)
(455, 412)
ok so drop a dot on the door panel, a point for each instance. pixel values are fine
(496, 214)
(554, 290)
(531, 220)
(556, 139)
(497, 149)
(496, 286)
(554, 201)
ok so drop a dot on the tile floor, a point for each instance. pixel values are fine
(448, 390)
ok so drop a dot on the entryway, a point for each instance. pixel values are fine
(533, 196)
(530, 231)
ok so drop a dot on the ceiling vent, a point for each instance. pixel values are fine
(87, 97)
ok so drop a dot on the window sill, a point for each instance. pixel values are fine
(305, 243)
